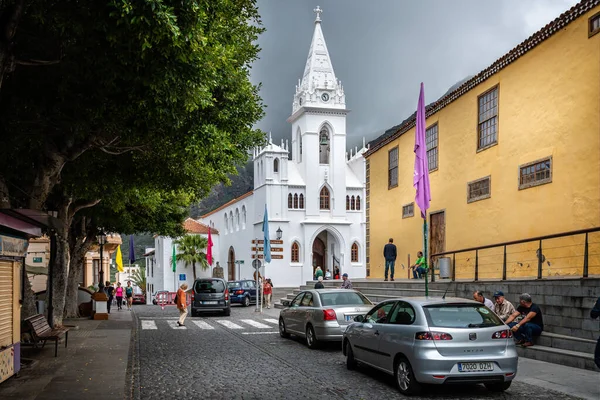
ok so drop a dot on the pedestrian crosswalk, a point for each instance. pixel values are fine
(262, 326)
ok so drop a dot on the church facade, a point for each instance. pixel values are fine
(312, 189)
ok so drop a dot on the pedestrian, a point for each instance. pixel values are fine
(419, 267)
(595, 313)
(129, 295)
(503, 308)
(110, 293)
(478, 296)
(119, 296)
(318, 272)
(532, 323)
(336, 273)
(346, 284)
(389, 253)
(181, 298)
(267, 292)
(327, 274)
(319, 284)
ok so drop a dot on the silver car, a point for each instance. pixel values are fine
(433, 341)
(321, 314)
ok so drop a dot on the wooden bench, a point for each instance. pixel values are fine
(41, 332)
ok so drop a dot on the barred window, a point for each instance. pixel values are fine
(535, 173)
(358, 202)
(488, 119)
(479, 189)
(408, 210)
(295, 252)
(301, 201)
(347, 202)
(296, 200)
(393, 168)
(352, 203)
(431, 138)
(354, 252)
(290, 201)
(324, 199)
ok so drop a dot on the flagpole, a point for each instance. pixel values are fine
(425, 255)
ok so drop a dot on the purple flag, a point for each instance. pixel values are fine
(421, 174)
(131, 250)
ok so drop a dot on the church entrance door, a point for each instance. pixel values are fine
(318, 258)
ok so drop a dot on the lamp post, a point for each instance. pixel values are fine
(279, 233)
(101, 241)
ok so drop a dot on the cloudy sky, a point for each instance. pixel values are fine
(382, 49)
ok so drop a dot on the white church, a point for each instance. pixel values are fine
(314, 192)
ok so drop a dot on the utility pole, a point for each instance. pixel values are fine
(256, 265)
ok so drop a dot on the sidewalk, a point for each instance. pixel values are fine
(93, 366)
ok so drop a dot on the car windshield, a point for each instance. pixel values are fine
(209, 286)
(461, 316)
(343, 298)
(233, 285)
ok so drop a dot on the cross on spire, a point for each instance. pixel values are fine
(318, 11)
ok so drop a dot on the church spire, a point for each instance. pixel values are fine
(319, 87)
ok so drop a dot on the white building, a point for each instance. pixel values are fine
(313, 190)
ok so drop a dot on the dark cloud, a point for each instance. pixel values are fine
(381, 50)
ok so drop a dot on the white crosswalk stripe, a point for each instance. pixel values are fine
(173, 324)
(272, 320)
(229, 324)
(149, 325)
(255, 324)
(203, 325)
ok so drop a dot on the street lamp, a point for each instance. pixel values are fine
(279, 233)
(101, 241)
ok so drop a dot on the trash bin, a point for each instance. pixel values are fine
(444, 267)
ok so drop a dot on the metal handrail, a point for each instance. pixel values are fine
(514, 242)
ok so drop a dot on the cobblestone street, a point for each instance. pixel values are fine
(243, 357)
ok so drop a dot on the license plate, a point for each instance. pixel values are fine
(210, 302)
(475, 366)
(349, 317)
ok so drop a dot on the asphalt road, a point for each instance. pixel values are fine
(243, 357)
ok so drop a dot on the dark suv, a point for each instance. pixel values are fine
(210, 294)
(243, 292)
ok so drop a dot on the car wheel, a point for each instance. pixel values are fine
(227, 312)
(282, 331)
(311, 339)
(246, 301)
(498, 387)
(350, 361)
(405, 378)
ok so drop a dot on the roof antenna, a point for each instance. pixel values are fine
(448, 287)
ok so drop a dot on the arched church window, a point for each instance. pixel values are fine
(324, 147)
(299, 144)
(324, 199)
(226, 224)
(243, 217)
(354, 252)
(352, 203)
(358, 202)
(301, 201)
(295, 252)
(237, 219)
(290, 201)
(231, 221)
(347, 202)
(276, 165)
(296, 200)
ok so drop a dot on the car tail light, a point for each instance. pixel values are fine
(505, 334)
(226, 295)
(329, 315)
(433, 336)
(239, 292)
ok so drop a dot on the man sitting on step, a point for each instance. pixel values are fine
(532, 323)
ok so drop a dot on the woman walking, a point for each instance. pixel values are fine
(182, 304)
(119, 296)
(129, 295)
(267, 292)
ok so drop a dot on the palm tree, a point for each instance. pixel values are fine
(190, 251)
(138, 278)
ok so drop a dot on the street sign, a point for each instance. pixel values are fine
(272, 241)
(182, 277)
(37, 259)
(256, 264)
(239, 261)
(273, 256)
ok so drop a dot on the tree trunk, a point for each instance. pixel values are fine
(9, 17)
(28, 309)
(194, 269)
(75, 268)
(60, 269)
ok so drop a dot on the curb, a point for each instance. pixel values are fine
(132, 374)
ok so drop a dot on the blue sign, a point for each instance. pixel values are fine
(182, 277)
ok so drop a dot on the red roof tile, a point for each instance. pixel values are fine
(193, 226)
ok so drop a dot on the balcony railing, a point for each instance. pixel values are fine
(567, 254)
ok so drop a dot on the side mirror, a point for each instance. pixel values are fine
(359, 318)
(285, 303)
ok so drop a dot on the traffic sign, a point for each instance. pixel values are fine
(182, 277)
(239, 261)
(256, 264)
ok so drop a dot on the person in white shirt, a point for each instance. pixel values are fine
(478, 296)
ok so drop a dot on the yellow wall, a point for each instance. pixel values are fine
(549, 105)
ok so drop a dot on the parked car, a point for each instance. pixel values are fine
(433, 341)
(321, 314)
(139, 298)
(243, 292)
(210, 294)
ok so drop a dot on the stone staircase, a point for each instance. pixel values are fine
(574, 350)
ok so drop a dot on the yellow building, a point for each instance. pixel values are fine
(513, 153)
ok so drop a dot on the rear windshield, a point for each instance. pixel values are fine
(234, 285)
(343, 298)
(209, 286)
(461, 316)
